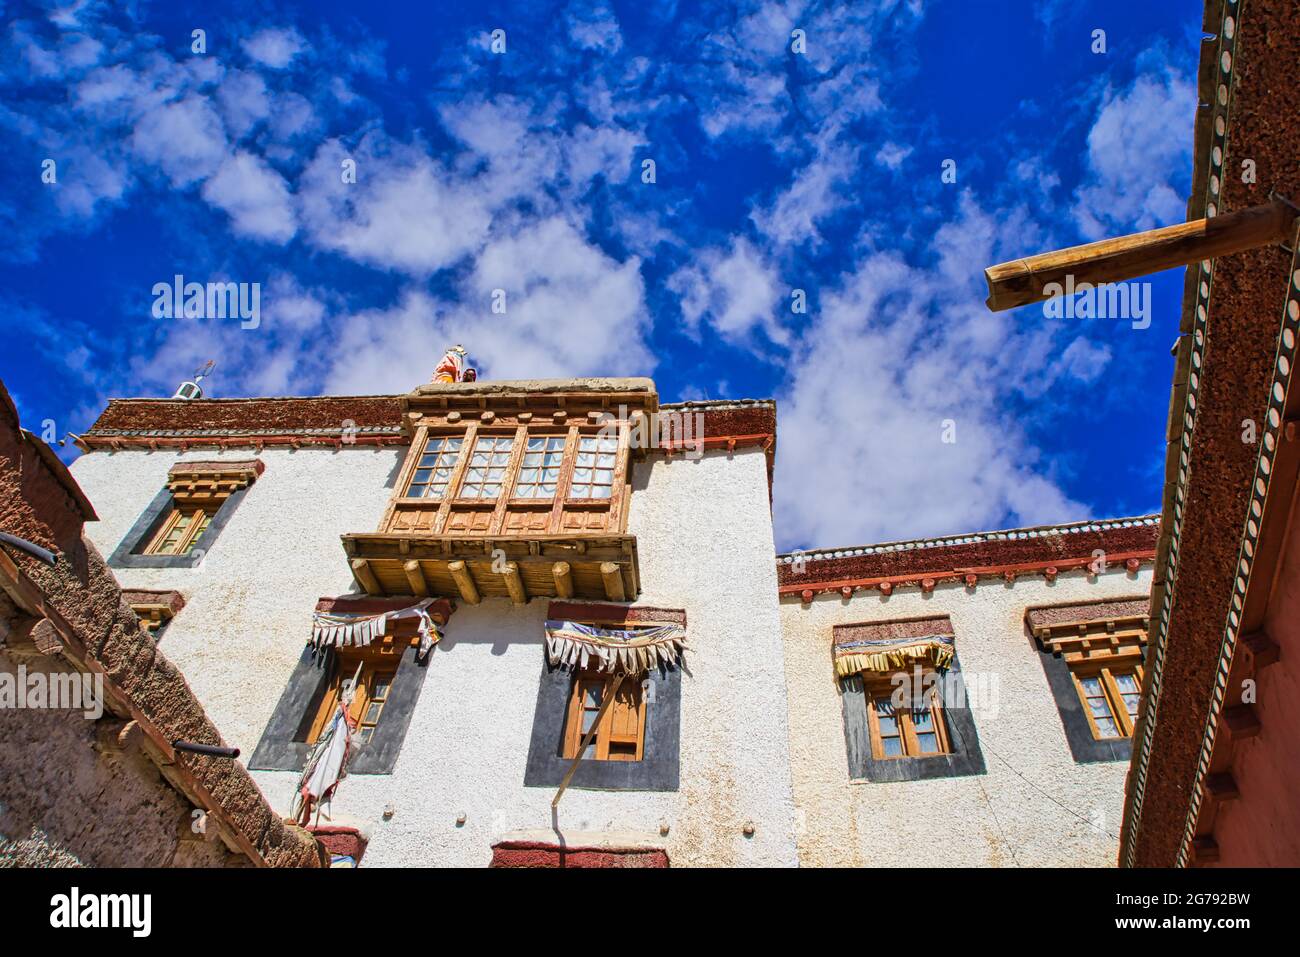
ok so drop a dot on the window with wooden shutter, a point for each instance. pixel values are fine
(620, 732)
(373, 669)
(181, 528)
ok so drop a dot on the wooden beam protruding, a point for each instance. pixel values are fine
(415, 578)
(1222, 786)
(1022, 281)
(563, 579)
(1205, 850)
(31, 636)
(613, 577)
(1263, 650)
(1241, 721)
(515, 583)
(365, 576)
(115, 736)
(464, 582)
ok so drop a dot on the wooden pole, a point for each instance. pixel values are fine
(613, 578)
(365, 576)
(563, 576)
(515, 584)
(582, 747)
(415, 578)
(464, 582)
(1023, 281)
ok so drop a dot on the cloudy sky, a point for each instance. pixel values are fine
(785, 165)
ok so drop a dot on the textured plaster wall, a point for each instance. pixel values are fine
(63, 805)
(1006, 817)
(705, 544)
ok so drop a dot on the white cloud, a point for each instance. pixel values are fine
(598, 30)
(1139, 142)
(570, 310)
(255, 196)
(186, 139)
(895, 351)
(792, 219)
(735, 291)
(891, 155)
(274, 48)
(405, 211)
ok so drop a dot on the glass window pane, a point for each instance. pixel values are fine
(1091, 686)
(891, 747)
(923, 721)
(928, 743)
(1127, 684)
(591, 696)
(1107, 728)
(1099, 707)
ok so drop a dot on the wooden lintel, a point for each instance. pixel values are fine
(613, 577)
(1023, 281)
(365, 576)
(464, 582)
(1222, 786)
(515, 584)
(415, 577)
(563, 576)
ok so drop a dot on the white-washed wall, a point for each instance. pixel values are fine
(1034, 807)
(705, 544)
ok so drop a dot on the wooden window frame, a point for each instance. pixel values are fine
(605, 734)
(180, 511)
(376, 661)
(1106, 671)
(876, 686)
(408, 479)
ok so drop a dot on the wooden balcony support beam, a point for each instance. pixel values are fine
(1023, 281)
(612, 575)
(415, 577)
(515, 584)
(464, 582)
(563, 576)
(365, 576)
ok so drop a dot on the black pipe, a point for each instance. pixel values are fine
(34, 550)
(209, 749)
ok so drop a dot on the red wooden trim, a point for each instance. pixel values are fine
(118, 442)
(440, 611)
(612, 614)
(886, 583)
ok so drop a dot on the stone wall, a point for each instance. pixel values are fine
(64, 798)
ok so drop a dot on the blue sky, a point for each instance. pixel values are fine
(775, 170)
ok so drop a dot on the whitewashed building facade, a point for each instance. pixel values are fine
(283, 547)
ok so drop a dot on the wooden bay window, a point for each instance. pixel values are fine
(541, 476)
